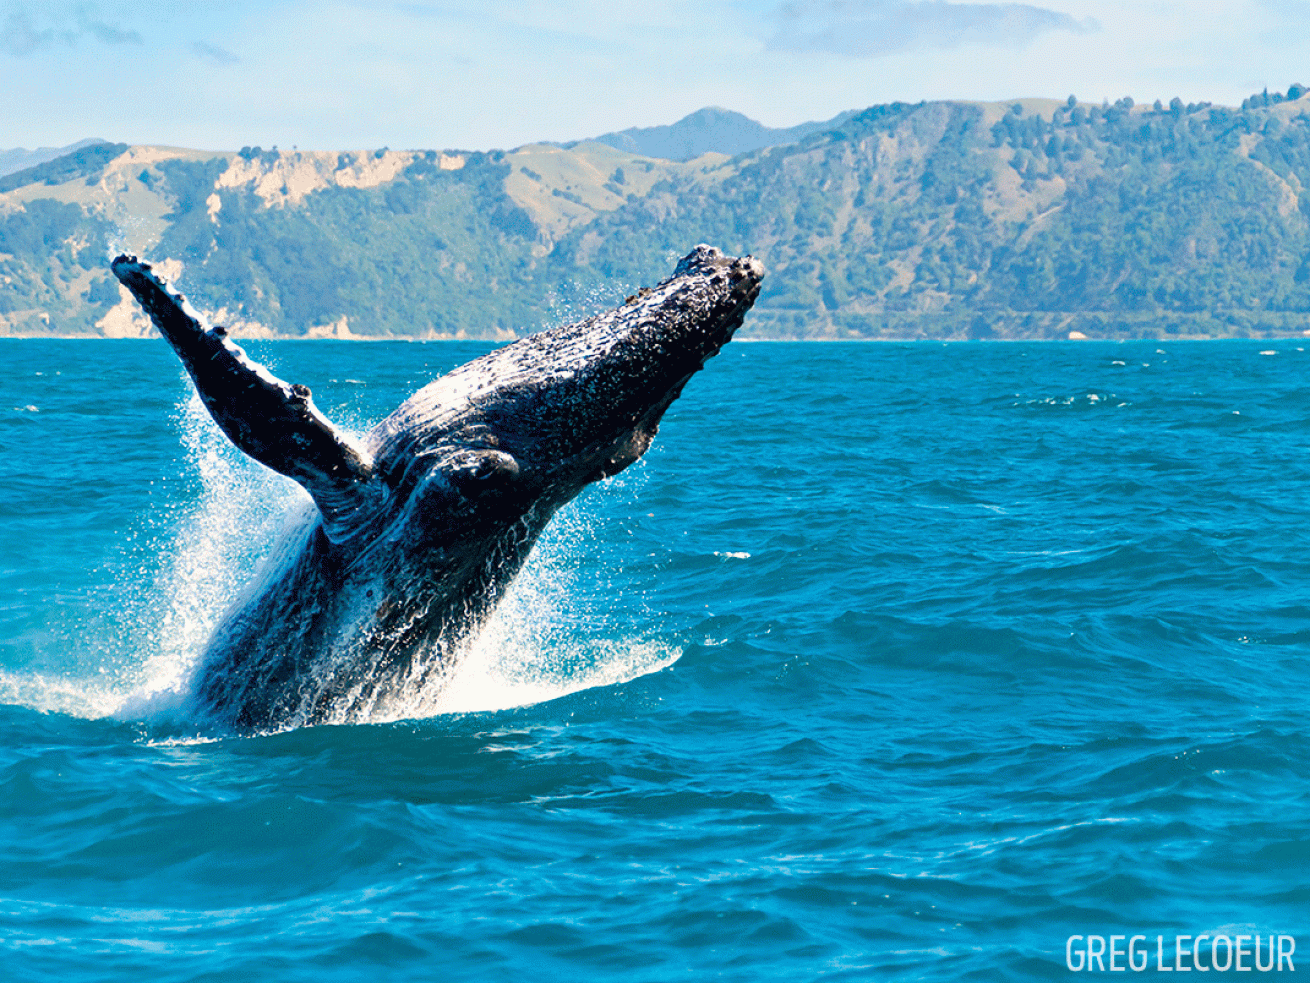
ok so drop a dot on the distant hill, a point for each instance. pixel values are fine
(90, 159)
(709, 130)
(1027, 219)
(20, 159)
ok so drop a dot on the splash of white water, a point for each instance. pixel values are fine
(210, 551)
(563, 626)
(557, 631)
(213, 550)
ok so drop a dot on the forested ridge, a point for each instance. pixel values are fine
(946, 220)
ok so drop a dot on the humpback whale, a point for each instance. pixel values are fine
(417, 528)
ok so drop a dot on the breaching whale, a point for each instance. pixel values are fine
(417, 528)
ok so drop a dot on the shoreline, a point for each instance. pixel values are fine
(380, 339)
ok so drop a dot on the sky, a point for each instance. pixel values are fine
(467, 74)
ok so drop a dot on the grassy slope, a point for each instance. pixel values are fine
(951, 220)
(931, 220)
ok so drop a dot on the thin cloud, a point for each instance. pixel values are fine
(20, 37)
(869, 28)
(214, 53)
(108, 34)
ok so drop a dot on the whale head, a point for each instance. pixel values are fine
(510, 437)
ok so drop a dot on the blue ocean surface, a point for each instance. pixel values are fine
(889, 661)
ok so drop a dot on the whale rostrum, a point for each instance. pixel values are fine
(418, 527)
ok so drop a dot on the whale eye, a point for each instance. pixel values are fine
(473, 472)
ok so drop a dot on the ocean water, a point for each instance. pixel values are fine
(888, 662)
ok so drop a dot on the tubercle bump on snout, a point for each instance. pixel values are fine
(707, 260)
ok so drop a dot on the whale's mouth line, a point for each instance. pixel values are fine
(630, 449)
(627, 453)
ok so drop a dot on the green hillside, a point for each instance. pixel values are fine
(951, 220)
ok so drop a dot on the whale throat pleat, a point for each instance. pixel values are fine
(275, 423)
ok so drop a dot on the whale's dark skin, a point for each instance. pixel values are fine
(418, 528)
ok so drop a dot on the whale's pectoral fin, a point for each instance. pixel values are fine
(275, 423)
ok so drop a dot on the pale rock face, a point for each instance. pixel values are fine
(125, 319)
(338, 329)
(287, 180)
(238, 326)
